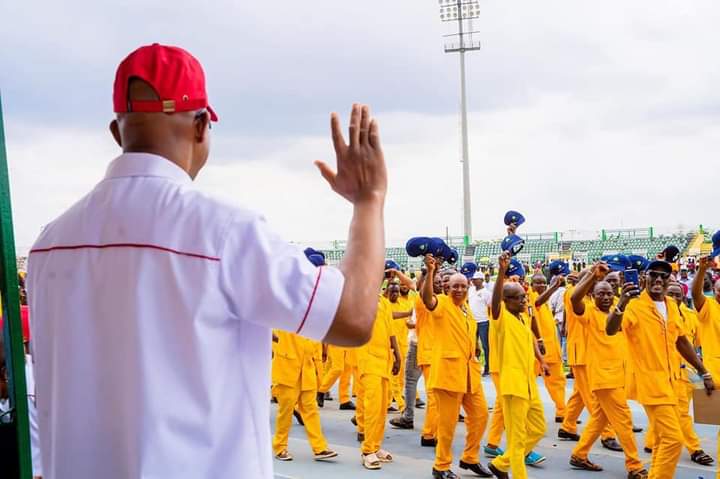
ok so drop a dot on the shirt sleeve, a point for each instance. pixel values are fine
(271, 283)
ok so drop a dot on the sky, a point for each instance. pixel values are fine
(582, 115)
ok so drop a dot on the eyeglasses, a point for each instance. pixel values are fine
(518, 297)
(658, 274)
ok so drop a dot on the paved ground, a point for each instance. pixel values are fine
(412, 461)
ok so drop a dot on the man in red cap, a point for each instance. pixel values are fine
(153, 303)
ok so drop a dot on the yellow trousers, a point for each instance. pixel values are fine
(338, 368)
(476, 417)
(430, 425)
(306, 402)
(690, 437)
(612, 409)
(665, 421)
(371, 411)
(555, 384)
(525, 424)
(581, 398)
(397, 385)
(497, 423)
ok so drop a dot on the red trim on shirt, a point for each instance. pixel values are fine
(124, 245)
(312, 298)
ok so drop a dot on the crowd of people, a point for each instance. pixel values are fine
(653, 339)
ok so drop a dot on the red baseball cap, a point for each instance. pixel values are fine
(175, 75)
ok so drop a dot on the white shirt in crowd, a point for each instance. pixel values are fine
(662, 309)
(152, 309)
(557, 304)
(479, 300)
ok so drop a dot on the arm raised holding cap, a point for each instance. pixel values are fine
(361, 178)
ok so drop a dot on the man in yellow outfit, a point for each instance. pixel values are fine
(517, 351)
(295, 382)
(606, 373)
(653, 329)
(539, 295)
(342, 365)
(376, 360)
(424, 327)
(401, 313)
(683, 387)
(455, 375)
(708, 309)
(581, 396)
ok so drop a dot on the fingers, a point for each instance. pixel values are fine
(374, 139)
(364, 124)
(326, 173)
(336, 132)
(354, 129)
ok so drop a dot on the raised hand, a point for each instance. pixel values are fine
(705, 263)
(629, 291)
(430, 264)
(600, 270)
(504, 261)
(361, 173)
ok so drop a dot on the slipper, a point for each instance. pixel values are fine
(283, 456)
(700, 457)
(384, 456)
(324, 455)
(584, 464)
(370, 461)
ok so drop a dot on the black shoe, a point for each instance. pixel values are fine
(347, 406)
(444, 474)
(360, 437)
(559, 419)
(328, 397)
(393, 409)
(700, 457)
(353, 420)
(647, 449)
(432, 442)
(569, 376)
(298, 417)
(419, 404)
(578, 421)
(569, 436)
(498, 473)
(612, 444)
(321, 399)
(401, 423)
(461, 418)
(637, 429)
(478, 469)
(273, 400)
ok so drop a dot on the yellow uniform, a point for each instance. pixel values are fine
(651, 339)
(709, 334)
(523, 411)
(455, 381)
(555, 382)
(374, 368)
(424, 330)
(400, 331)
(342, 364)
(295, 382)
(497, 423)
(606, 375)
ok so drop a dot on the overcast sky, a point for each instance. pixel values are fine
(583, 115)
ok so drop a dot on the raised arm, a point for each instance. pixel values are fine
(697, 284)
(597, 273)
(614, 321)
(361, 178)
(497, 297)
(555, 284)
(426, 292)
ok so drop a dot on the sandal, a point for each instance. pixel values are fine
(384, 456)
(370, 461)
(641, 474)
(584, 464)
(283, 456)
(700, 457)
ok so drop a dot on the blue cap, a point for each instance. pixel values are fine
(514, 217)
(559, 267)
(513, 244)
(671, 253)
(716, 244)
(638, 262)
(438, 248)
(660, 264)
(469, 269)
(391, 264)
(316, 257)
(417, 246)
(515, 269)
(617, 262)
(450, 254)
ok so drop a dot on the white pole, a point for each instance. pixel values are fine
(467, 216)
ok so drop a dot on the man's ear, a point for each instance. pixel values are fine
(115, 130)
(201, 125)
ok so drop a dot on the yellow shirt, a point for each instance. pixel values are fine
(454, 365)
(375, 357)
(548, 330)
(516, 353)
(296, 360)
(709, 336)
(651, 341)
(605, 354)
(424, 329)
(399, 325)
(493, 347)
(576, 335)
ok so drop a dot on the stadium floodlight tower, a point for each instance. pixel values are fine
(461, 11)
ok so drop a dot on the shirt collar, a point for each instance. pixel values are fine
(146, 164)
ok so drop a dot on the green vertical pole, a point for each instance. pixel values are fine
(14, 350)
